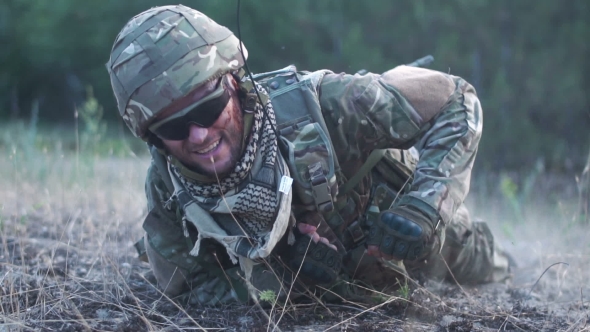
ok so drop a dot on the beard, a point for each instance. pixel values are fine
(231, 136)
(234, 141)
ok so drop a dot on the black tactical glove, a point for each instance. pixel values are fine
(404, 233)
(319, 263)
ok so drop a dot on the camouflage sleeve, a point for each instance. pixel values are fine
(438, 114)
(155, 189)
(164, 223)
(195, 280)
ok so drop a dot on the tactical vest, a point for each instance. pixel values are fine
(303, 137)
(306, 145)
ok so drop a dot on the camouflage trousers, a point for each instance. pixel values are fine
(468, 256)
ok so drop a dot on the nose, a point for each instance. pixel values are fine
(197, 134)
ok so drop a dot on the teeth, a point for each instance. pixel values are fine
(210, 147)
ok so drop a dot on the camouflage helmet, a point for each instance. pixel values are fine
(163, 54)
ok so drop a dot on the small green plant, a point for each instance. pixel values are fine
(91, 113)
(404, 290)
(268, 296)
(32, 130)
(509, 190)
(518, 197)
(37, 206)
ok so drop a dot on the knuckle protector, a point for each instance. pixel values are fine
(416, 251)
(401, 248)
(401, 226)
(387, 244)
(409, 232)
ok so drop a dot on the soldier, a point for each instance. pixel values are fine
(295, 179)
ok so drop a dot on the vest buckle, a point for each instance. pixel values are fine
(320, 188)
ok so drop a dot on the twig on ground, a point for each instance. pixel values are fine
(342, 306)
(393, 298)
(538, 279)
(455, 280)
(77, 313)
(575, 325)
(503, 325)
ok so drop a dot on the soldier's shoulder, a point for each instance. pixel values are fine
(404, 75)
(426, 90)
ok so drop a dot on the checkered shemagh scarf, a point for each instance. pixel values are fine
(250, 198)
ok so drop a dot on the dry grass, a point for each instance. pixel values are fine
(68, 222)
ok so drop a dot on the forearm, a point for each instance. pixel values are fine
(447, 152)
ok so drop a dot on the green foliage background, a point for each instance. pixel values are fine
(527, 59)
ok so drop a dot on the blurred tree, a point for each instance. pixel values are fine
(527, 59)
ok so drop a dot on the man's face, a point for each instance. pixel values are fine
(212, 151)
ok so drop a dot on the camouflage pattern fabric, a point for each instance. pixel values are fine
(164, 53)
(192, 279)
(370, 112)
(467, 257)
(205, 283)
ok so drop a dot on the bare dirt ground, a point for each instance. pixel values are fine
(67, 226)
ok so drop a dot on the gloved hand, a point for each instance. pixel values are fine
(402, 233)
(316, 259)
(320, 264)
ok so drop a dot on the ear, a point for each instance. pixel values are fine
(232, 82)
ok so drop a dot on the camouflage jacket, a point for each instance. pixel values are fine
(437, 114)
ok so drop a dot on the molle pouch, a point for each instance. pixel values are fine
(392, 176)
(381, 200)
(396, 168)
(311, 162)
(304, 139)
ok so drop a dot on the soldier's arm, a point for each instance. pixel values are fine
(437, 113)
(164, 240)
(193, 279)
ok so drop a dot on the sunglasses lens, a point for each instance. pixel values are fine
(208, 112)
(173, 130)
(203, 115)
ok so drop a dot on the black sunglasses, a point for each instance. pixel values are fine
(204, 113)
